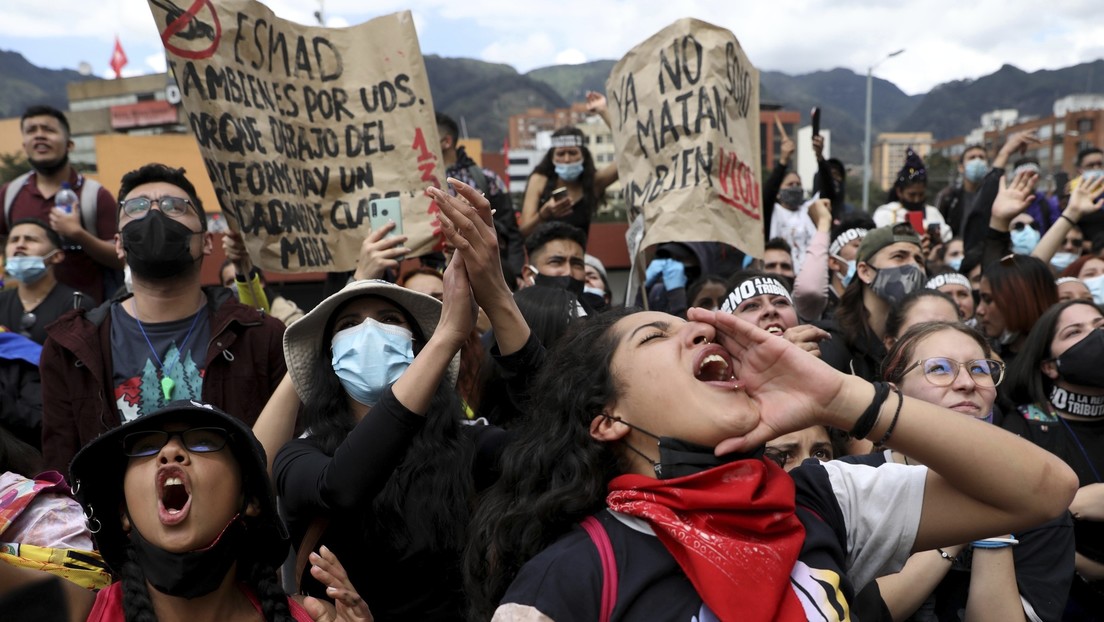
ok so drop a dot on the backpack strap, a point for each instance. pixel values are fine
(600, 537)
(90, 189)
(14, 186)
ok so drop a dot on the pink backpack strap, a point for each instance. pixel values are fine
(598, 535)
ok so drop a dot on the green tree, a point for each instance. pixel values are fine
(13, 165)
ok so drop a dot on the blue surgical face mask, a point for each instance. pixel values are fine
(1090, 175)
(975, 170)
(956, 262)
(850, 275)
(27, 269)
(370, 357)
(1062, 260)
(1096, 286)
(1024, 240)
(570, 171)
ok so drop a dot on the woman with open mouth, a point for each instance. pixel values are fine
(953, 366)
(184, 515)
(648, 430)
(766, 301)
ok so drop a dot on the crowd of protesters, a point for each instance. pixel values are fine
(887, 416)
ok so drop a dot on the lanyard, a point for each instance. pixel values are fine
(1084, 453)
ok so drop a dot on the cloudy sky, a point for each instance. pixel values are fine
(944, 39)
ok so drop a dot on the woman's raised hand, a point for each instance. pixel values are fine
(348, 606)
(467, 224)
(791, 389)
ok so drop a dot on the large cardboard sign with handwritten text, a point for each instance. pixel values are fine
(685, 112)
(300, 127)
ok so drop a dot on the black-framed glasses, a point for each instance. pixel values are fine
(1019, 226)
(197, 440)
(28, 321)
(139, 207)
(942, 371)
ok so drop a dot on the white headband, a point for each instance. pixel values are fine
(567, 140)
(757, 286)
(842, 239)
(951, 278)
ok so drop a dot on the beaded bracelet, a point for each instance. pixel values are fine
(869, 418)
(994, 543)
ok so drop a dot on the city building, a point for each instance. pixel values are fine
(1077, 123)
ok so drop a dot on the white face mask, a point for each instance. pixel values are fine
(370, 357)
(1096, 286)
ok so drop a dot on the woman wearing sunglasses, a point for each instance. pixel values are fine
(183, 512)
(1057, 383)
(1014, 577)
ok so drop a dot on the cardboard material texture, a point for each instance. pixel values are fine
(685, 108)
(300, 127)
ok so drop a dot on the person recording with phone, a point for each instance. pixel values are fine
(568, 167)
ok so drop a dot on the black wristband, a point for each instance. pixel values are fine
(1070, 220)
(869, 417)
(896, 415)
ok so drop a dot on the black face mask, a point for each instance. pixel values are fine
(158, 247)
(1080, 364)
(571, 284)
(191, 574)
(912, 206)
(49, 168)
(679, 458)
(593, 302)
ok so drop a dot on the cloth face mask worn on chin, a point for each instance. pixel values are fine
(193, 573)
(370, 357)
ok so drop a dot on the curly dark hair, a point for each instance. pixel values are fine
(554, 473)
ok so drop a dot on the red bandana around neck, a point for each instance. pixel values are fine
(732, 530)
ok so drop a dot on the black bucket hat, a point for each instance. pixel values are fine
(96, 475)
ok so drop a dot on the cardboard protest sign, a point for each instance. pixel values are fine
(686, 128)
(300, 127)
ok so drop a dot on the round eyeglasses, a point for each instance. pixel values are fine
(197, 440)
(139, 207)
(942, 371)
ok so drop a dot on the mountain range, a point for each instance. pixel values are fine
(483, 95)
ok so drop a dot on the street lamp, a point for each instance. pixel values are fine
(866, 141)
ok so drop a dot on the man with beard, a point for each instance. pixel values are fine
(90, 265)
(169, 340)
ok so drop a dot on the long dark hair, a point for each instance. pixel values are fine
(1026, 383)
(547, 168)
(851, 314)
(554, 473)
(426, 501)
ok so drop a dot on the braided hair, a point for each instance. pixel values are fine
(261, 579)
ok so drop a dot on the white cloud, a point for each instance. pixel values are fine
(571, 56)
(945, 39)
(156, 62)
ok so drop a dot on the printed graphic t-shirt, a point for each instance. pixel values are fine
(137, 375)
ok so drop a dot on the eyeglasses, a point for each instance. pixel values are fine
(1019, 226)
(174, 207)
(942, 371)
(197, 440)
(28, 321)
